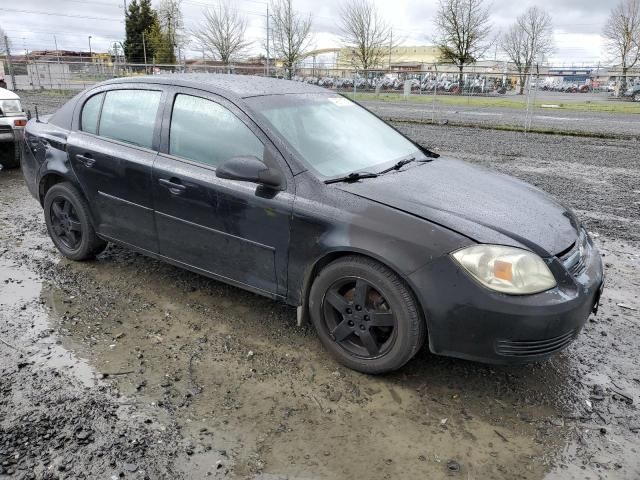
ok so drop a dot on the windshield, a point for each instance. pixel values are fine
(333, 135)
(10, 107)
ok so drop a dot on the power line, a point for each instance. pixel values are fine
(94, 2)
(39, 12)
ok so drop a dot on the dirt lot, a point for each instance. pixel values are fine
(128, 367)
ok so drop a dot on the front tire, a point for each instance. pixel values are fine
(66, 214)
(366, 315)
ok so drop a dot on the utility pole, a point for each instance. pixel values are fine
(390, 46)
(9, 64)
(144, 51)
(171, 41)
(115, 49)
(267, 39)
(90, 52)
(55, 41)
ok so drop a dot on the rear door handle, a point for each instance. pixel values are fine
(86, 159)
(173, 185)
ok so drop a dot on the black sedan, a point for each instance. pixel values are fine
(296, 193)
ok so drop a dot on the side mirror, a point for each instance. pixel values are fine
(249, 169)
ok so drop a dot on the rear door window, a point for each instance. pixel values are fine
(206, 132)
(91, 113)
(130, 116)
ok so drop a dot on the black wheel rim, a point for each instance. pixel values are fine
(359, 318)
(65, 223)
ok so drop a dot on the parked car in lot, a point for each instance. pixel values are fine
(293, 192)
(12, 122)
(633, 92)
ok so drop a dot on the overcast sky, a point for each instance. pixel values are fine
(32, 24)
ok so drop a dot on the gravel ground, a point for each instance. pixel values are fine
(598, 178)
(128, 367)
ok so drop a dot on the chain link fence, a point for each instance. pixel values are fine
(557, 99)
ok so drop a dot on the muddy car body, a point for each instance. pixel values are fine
(12, 122)
(379, 258)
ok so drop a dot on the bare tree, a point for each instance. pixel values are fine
(172, 24)
(3, 48)
(463, 31)
(528, 40)
(365, 32)
(223, 33)
(622, 35)
(291, 33)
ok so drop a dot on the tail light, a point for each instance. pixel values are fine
(19, 123)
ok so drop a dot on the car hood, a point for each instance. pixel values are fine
(486, 206)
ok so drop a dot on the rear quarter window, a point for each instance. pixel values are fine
(130, 116)
(91, 113)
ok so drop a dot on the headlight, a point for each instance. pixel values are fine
(506, 269)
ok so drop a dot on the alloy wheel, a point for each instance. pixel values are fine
(65, 223)
(359, 318)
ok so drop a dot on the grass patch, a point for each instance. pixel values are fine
(520, 102)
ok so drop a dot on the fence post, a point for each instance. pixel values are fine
(9, 63)
(49, 72)
(355, 76)
(35, 65)
(535, 91)
(435, 96)
(526, 117)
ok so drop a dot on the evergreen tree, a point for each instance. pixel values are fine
(161, 45)
(140, 19)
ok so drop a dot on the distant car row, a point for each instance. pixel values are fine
(470, 86)
(476, 86)
(633, 93)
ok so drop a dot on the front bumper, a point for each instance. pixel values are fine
(466, 320)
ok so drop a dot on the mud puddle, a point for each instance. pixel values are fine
(269, 401)
(252, 394)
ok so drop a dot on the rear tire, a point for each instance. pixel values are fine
(366, 315)
(66, 213)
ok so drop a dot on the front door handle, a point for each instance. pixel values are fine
(173, 185)
(87, 160)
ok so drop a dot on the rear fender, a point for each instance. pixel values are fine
(56, 168)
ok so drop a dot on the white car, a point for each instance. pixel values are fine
(12, 123)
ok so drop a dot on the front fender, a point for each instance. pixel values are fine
(340, 224)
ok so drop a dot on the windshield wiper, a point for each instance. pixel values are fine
(352, 177)
(428, 153)
(398, 165)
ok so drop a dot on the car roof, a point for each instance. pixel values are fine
(242, 86)
(8, 95)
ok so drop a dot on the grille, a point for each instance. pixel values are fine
(523, 348)
(5, 129)
(574, 258)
